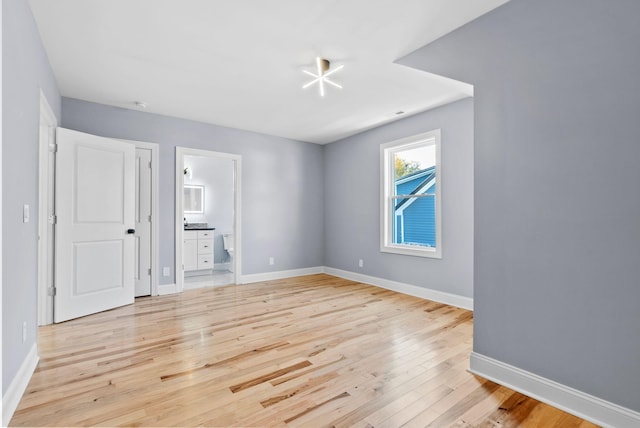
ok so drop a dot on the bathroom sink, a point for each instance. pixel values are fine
(191, 226)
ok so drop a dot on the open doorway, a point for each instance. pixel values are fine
(207, 218)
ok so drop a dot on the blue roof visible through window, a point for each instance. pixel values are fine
(414, 183)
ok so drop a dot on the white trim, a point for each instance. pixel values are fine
(412, 290)
(181, 152)
(1, 145)
(387, 183)
(155, 209)
(45, 248)
(18, 386)
(179, 220)
(270, 276)
(164, 289)
(571, 400)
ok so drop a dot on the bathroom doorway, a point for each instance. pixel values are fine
(207, 218)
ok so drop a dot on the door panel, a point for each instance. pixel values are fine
(95, 208)
(98, 266)
(99, 183)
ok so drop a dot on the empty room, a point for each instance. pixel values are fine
(296, 213)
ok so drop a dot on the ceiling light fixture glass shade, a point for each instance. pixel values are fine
(322, 75)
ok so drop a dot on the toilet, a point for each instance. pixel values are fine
(227, 243)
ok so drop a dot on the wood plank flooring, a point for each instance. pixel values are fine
(308, 351)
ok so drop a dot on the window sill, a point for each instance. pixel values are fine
(428, 252)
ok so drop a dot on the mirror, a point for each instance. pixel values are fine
(193, 198)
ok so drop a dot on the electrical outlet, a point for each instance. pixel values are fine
(272, 261)
(24, 332)
(166, 271)
(360, 263)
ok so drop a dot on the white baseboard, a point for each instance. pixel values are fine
(270, 276)
(164, 289)
(11, 398)
(412, 290)
(578, 403)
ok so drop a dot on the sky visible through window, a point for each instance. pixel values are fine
(412, 160)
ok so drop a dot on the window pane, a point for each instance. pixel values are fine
(415, 220)
(411, 161)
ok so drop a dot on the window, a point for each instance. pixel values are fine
(410, 196)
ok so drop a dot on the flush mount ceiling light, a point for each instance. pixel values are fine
(321, 78)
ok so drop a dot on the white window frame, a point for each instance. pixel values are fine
(387, 189)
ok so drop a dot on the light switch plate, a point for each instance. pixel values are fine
(25, 213)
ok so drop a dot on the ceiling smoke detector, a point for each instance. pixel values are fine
(323, 66)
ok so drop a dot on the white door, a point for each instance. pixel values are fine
(142, 269)
(95, 196)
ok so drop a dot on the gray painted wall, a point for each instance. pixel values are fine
(352, 203)
(217, 177)
(557, 205)
(281, 182)
(25, 70)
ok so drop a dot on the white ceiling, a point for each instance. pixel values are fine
(238, 63)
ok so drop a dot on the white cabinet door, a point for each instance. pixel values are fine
(95, 222)
(190, 254)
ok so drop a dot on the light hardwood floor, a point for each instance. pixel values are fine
(308, 351)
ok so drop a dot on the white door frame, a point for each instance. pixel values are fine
(46, 180)
(155, 150)
(181, 152)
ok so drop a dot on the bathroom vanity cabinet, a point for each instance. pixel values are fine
(197, 250)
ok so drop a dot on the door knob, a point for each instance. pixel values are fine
(131, 231)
